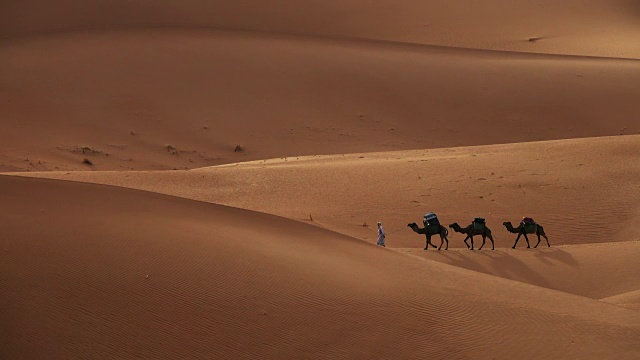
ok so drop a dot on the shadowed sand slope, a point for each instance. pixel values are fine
(229, 283)
(596, 271)
(176, 98)
(581, 191)
(598, 27)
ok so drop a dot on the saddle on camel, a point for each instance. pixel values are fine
(529, 225)
(431, 227)
(479, 224)
(431, 222)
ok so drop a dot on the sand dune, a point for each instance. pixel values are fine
(225, 282)
(165, 99)
(582, 191)
(598, 27)
(596, 271)
(303, 124)
(630, 299)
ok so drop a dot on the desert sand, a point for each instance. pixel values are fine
(580, 190)
(98, 271)
(202, 180)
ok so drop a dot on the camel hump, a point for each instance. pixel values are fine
(432, 222)
(430, 216)
(529, 225)
(479, 224)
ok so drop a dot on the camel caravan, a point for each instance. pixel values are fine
(477, 227)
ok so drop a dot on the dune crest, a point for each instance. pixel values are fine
(239, 282)
(202, 179)
(548, 181)
(598, 27)
(179, 98)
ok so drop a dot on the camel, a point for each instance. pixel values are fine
(442, 231)
(471, 232)
(520, 230)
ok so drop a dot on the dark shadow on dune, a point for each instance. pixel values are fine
(634, 9)
(501, 264)
(545, 255)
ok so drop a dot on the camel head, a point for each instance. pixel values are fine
(454, 225)
(510, 227)
(413, 225)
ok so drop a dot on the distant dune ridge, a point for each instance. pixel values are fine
(165, 97)
(235, 157)
(598, 28)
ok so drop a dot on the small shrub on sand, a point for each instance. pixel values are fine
(238, 148)
(87, 161)
(172, 149)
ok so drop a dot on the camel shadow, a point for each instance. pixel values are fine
(501, 264)
(559, 255)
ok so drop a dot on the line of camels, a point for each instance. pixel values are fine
(471, 231)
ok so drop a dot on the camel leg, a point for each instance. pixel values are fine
(484, 240)
(441, 242)
(538, 243)
(465, 241)
(493, 245)
(516, 243)
(546, 238)
(472, 243)
(447, 240)
(426, 246)
(526, 238)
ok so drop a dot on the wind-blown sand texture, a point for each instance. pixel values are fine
(246, 149)
(224, 282)
(581, 191)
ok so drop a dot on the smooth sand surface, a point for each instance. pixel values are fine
(216, 170)
(598, 271)
(97, 271)
(582, 191)
(154, 99)
(599, 27)
(630, 299)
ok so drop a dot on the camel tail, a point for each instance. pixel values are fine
(446, 231)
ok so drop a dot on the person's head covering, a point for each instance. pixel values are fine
(379, 223)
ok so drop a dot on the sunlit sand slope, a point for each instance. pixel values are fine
(582, 191)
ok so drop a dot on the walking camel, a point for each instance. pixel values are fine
(471, 231)
(524, 230)
(428, 233)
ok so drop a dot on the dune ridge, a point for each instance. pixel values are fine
(86, 288)
(602, 271)
(601, 28)
(629, 299)
(175, 99)
(546, 180)
(188, 179)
